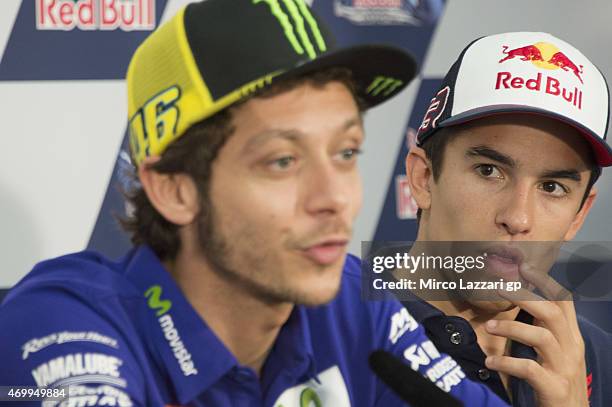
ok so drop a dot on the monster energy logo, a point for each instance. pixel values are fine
(295, 27)
(153, 294)
(383, 83)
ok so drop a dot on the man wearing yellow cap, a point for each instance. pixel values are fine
(245, 123)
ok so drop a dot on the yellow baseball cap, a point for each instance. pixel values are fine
(216, 52)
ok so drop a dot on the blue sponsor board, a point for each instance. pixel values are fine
(107, 236)
(392, 226)
(414, 38)
(389, 12)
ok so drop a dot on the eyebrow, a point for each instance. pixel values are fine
(487, 152)
(484, 151)
(293, 134)
(571, 174)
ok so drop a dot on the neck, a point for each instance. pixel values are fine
(245, 324)
(477, 313)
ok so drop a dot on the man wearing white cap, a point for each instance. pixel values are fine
(508, 152)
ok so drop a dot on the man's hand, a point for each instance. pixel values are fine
(559, 375)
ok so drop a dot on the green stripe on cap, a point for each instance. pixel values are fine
(298, 13)
(313, 25)
(299, 23)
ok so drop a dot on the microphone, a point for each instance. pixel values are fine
(409, 385)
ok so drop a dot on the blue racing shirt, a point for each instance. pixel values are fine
(456, 337)
(122, 333)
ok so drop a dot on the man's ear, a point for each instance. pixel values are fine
(174, 196)
(419, 176)
(581, 215)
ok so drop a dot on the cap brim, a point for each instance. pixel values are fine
(379, 71)
(601, 149)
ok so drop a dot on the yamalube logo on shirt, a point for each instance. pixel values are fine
(329, 391)
(81, 366)
(171, 334)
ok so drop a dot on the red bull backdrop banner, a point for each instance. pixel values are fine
(76, 40)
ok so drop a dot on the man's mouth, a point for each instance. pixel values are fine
(327, 251)
(504, 261)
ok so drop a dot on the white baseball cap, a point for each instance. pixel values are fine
(524, 72)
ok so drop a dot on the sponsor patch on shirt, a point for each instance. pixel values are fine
(80, 368)
(329, 390)
(36, 344)
(104, 395)
(401, 322)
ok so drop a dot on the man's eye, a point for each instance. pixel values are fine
(554, 188)
(349, 153)
(282, 163)
(489, 171)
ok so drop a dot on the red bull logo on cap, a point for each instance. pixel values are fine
(66, 15)
(547, 56)
(544, 55)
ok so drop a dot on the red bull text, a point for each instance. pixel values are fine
(551, 86)
(66, 15)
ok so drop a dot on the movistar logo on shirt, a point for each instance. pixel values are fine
(171, 334)
(154, 294)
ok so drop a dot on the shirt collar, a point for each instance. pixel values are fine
(185, 347)
(292, 349)
(420, 309)
(294, 342)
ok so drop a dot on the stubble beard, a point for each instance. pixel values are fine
(251, 270)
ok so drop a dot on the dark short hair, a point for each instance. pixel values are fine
(435, 148)
(193, 154)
